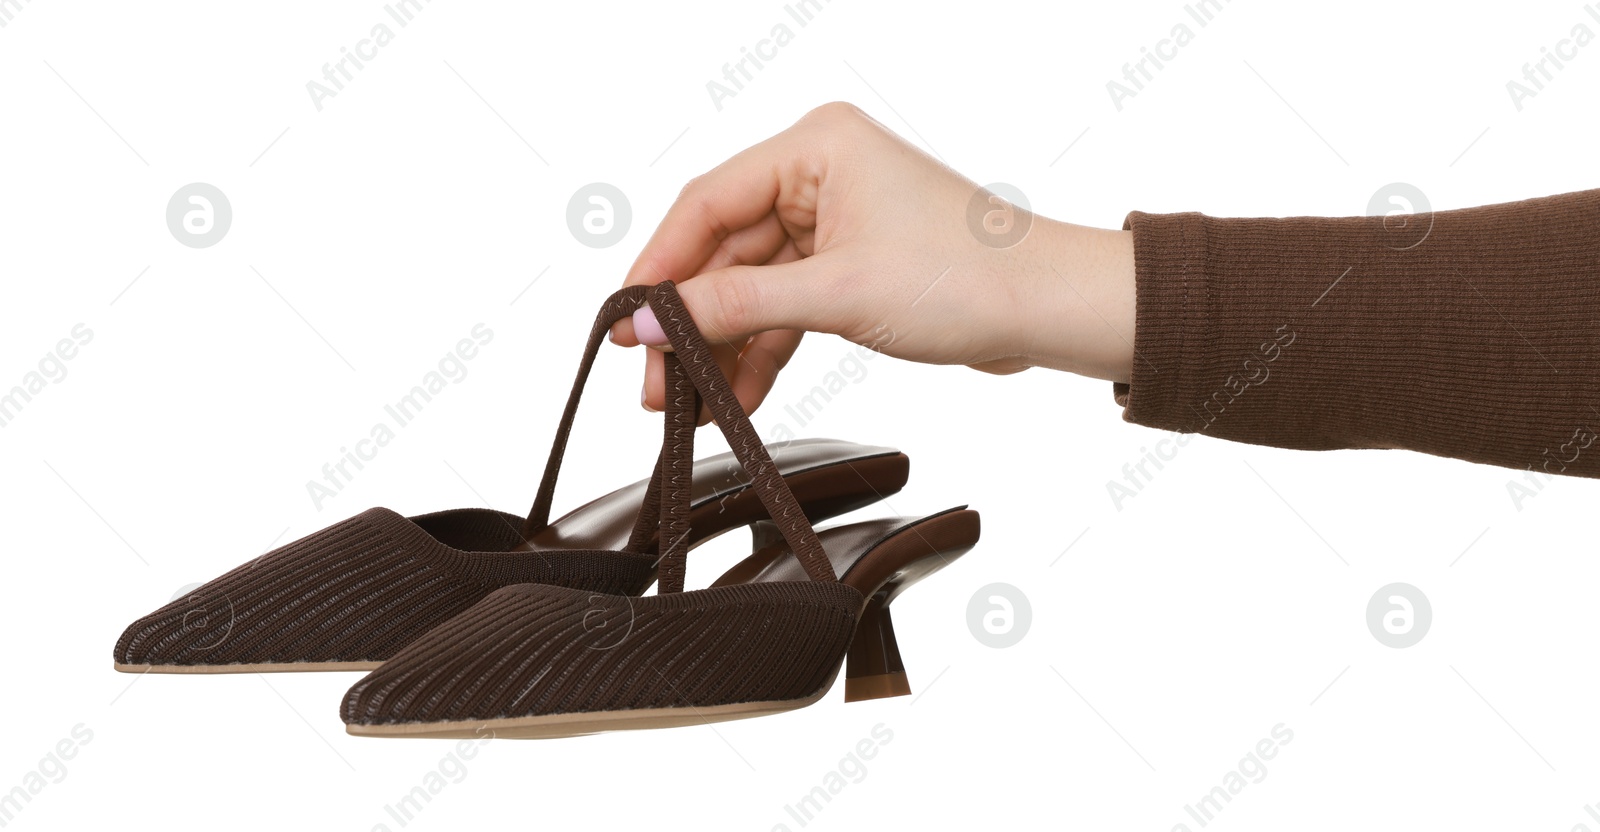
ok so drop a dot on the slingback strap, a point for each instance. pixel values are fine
(676, 455)
(621, 304)
(676, 469)
(691, 350)
(692, 374)
(648, 521)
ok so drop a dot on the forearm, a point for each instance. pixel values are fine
(1472, 334)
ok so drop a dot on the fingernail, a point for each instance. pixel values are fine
(647, 329)
(645, 403)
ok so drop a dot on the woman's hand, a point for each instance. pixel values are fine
(838, 225)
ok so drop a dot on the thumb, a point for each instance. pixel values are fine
(730, 305)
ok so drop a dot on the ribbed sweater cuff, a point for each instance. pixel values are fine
(1470, 333)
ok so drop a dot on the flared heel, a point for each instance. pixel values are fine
(913, 551)
(874, 669)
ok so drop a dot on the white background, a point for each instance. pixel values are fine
(1170, 638)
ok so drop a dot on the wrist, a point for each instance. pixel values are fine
(1081, 317)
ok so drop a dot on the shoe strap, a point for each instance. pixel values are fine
(693, 359)
(619, 305)
(674, 472)
(675, 460)
(692, 374)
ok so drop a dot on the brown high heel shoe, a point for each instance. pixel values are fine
(351, 595)
(771, 635)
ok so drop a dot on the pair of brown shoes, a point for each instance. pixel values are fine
(473, 619)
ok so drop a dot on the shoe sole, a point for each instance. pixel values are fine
(262, 667)
(556, 726)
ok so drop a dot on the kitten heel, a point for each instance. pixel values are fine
(874, 669)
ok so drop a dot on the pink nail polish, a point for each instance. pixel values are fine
(647, 329)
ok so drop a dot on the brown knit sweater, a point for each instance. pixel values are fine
(1472, 334)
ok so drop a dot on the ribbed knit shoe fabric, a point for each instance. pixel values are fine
(351, 595)
(546, 650)
(541, 661)
(360, 589)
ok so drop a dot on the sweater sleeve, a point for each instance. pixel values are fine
(1472, 333)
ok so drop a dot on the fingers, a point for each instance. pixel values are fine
(756, 244)
(731, 305)
(759, 364)
(751, 245)
(751, 372)
(751, 369)
(735, 195)
(653, 397)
